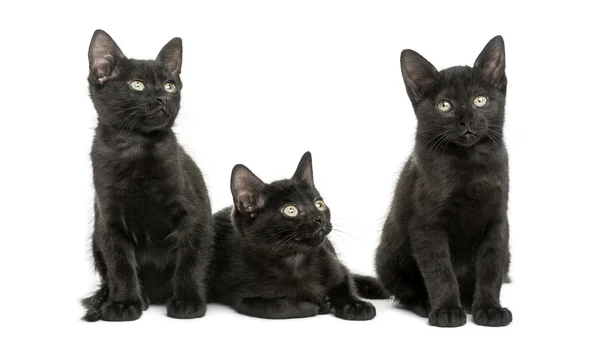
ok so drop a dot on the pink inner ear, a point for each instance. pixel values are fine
(307, 175)
(102, 67)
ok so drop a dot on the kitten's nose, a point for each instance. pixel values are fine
(162, 100)
(466, 124)
(319, 221)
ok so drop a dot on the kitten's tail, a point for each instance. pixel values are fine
(93, 304)
(369, 287)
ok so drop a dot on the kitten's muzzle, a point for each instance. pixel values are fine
(162, 100)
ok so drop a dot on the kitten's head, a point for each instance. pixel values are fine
(286, 216)
(461, 105)
(130, 94)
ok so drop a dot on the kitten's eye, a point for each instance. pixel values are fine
(321, 205)
(444, 106)
(136, 85)
(170, 87)
(480, 101)
(290, 211)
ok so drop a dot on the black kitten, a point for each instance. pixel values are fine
(444, 246)
(272, 256)
(152, 216)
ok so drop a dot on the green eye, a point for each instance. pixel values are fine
(136, 85)
(480, 101)
(170, 87)
(290, 211)
(320, 205)
(444, 106)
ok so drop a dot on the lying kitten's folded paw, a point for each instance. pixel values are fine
(355, 311)
(121, 311)
(324, 307)
(452, 317)
(492, 317)
(186, 308)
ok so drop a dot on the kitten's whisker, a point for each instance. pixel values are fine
(348, 234)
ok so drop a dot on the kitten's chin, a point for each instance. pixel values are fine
(467, 140)
(156, 122)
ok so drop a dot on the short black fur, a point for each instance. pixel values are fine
(271, 265)
(152, 216)
(444, 246)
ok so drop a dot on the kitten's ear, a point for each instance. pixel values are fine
(171, 56)
(419, 75)
(304, 171)
(247, 190)
(104, 55)
(490, 64)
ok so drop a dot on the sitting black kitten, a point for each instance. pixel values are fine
(152, 216)
(272, 256)
(444, 246)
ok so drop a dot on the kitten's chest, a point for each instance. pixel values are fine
(147, 194)
(302, 277)
(476, 200)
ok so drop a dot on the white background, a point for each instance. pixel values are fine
(266, 81)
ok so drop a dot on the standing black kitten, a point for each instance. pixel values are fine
(152, 216)
(272, 256)
(444, 246)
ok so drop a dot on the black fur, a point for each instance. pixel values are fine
(270, 265)
(444, 246)
(152, 215)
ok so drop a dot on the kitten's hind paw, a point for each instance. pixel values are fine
(492, 317)
(145, 301)
(355, 311)
(121, 311)
(186, 309)
(419, 307)
(447, 318)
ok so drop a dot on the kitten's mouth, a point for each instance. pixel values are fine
(469, 134)
(157, 111)
(314, 239)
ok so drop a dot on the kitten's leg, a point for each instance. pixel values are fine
(276, 308)
(398, 272)
(346, 303)
(124, 302)
(189, 278)
(432, 252)
(490, 266)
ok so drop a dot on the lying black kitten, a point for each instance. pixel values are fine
(444, 245)
(272, 256)
(152, 216)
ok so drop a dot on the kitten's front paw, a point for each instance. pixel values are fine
(121, 311)
(452, 317)
(145, 300)
(355, 311)
(492, 317)
(185, 308)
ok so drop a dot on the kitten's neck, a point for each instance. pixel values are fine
(110, 134)
(488, 154)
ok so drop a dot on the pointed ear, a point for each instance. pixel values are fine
(103, 55)
(304, 171)
(490, 64)
(419, 75)
(247, 190)
(171, 56)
